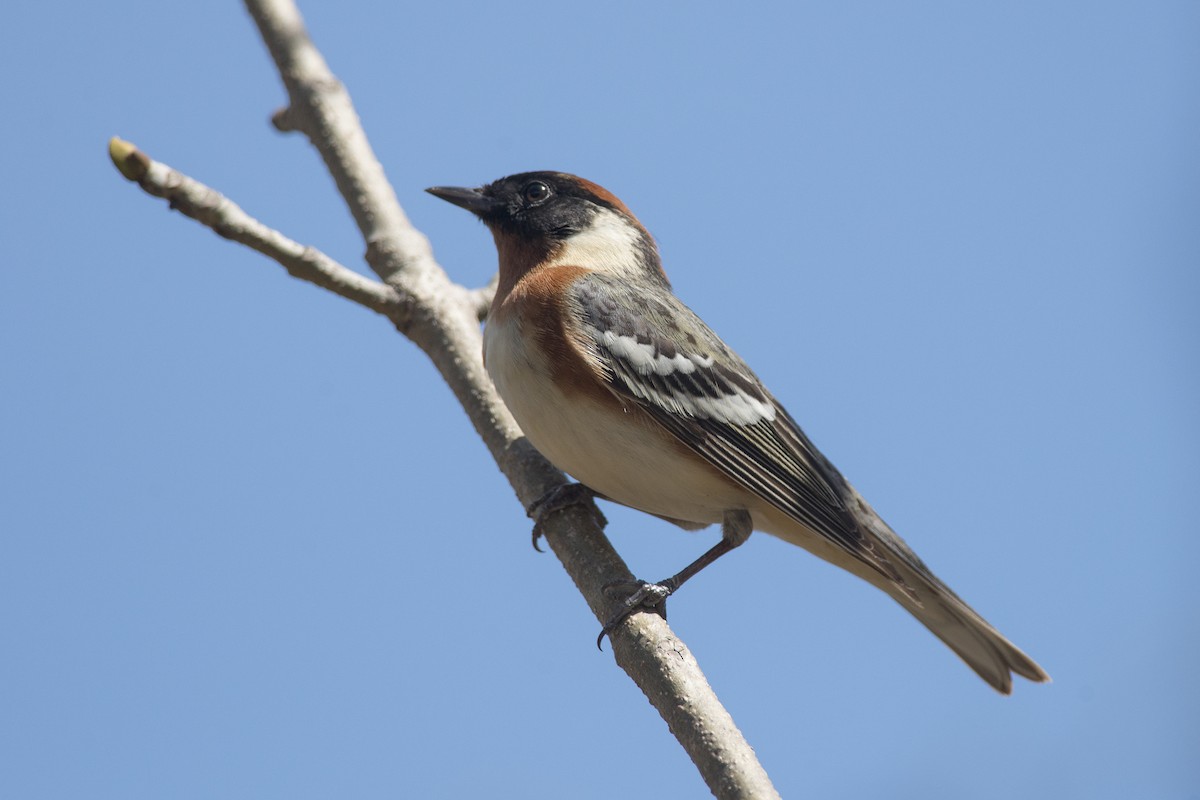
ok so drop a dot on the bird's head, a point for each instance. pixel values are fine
(554, 219)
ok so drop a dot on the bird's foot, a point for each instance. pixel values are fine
(559, 498)
(643, 597)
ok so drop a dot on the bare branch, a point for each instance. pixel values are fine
(209, 207)
(483, 296)
(442, 318)
(320, 107)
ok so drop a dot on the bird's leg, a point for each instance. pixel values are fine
(558, 499)
(735, 530)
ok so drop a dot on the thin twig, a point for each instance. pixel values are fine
(482, 296)
(226, 218)
(320, 108)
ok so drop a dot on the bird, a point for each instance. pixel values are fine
(622, 386)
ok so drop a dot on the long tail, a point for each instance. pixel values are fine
(914, 586)
(888, 563)
(969, 635)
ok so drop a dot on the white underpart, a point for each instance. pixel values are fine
(738, 408)
(609, 244)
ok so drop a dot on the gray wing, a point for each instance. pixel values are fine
(656, 352)
(658, 355)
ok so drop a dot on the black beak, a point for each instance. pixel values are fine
(472, 200)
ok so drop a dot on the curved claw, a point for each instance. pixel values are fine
(646, 597)
(557, 499)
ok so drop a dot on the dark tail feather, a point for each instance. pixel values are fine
(981, 646)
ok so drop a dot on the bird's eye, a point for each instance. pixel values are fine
(536, 192)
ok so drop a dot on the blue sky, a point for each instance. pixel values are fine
(250, 547)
